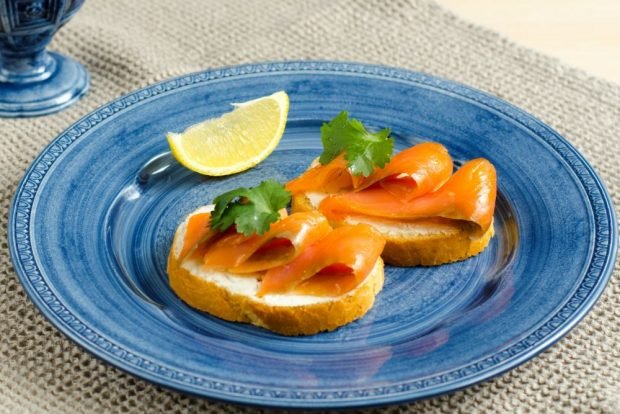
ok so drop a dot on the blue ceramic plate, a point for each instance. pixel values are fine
(94, 216)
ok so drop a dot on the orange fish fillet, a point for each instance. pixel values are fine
(198, 230)
(332, 266)
(468, 195)
(284, 240)
(410, 173)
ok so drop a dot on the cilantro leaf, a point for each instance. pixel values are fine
(252, 210)
(363, 150)
(332, 135)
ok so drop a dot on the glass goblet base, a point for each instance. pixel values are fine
(67, 82)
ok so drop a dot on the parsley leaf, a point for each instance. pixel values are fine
(363, 150)
(252, 210)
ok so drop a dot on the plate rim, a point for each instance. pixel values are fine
(573, 310)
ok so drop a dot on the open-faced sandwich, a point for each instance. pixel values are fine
(427, 214)
(245, 259)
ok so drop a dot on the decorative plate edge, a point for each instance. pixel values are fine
(560, 323)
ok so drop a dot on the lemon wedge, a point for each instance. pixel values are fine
(235, 141)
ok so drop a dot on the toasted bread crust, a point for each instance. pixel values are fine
(434, 249)
(426, 250)
(286, 320)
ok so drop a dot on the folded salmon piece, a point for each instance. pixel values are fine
(468, 195)
(285, 240)
(198, 231)
(410, 173)
(199, 235)
(300, 253)
(333, 266)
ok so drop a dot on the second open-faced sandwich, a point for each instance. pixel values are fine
(428, 214)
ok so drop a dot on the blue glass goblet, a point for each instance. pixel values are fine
(32, 80)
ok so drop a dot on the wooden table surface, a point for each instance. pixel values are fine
(581, 33)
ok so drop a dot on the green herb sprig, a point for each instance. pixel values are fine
(252, 210)
(363, 150)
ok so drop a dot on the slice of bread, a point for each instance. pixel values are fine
(233, 297)
(424, 242)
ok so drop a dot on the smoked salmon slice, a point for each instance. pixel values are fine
(410, 173)
(336, 263)
(468, 195)
(197, 230)
(330, 178)
(285, 239)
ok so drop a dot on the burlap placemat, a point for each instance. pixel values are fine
(128, 44)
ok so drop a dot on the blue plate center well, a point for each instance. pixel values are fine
(414, 301)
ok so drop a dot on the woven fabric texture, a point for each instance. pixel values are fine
(129, 44)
